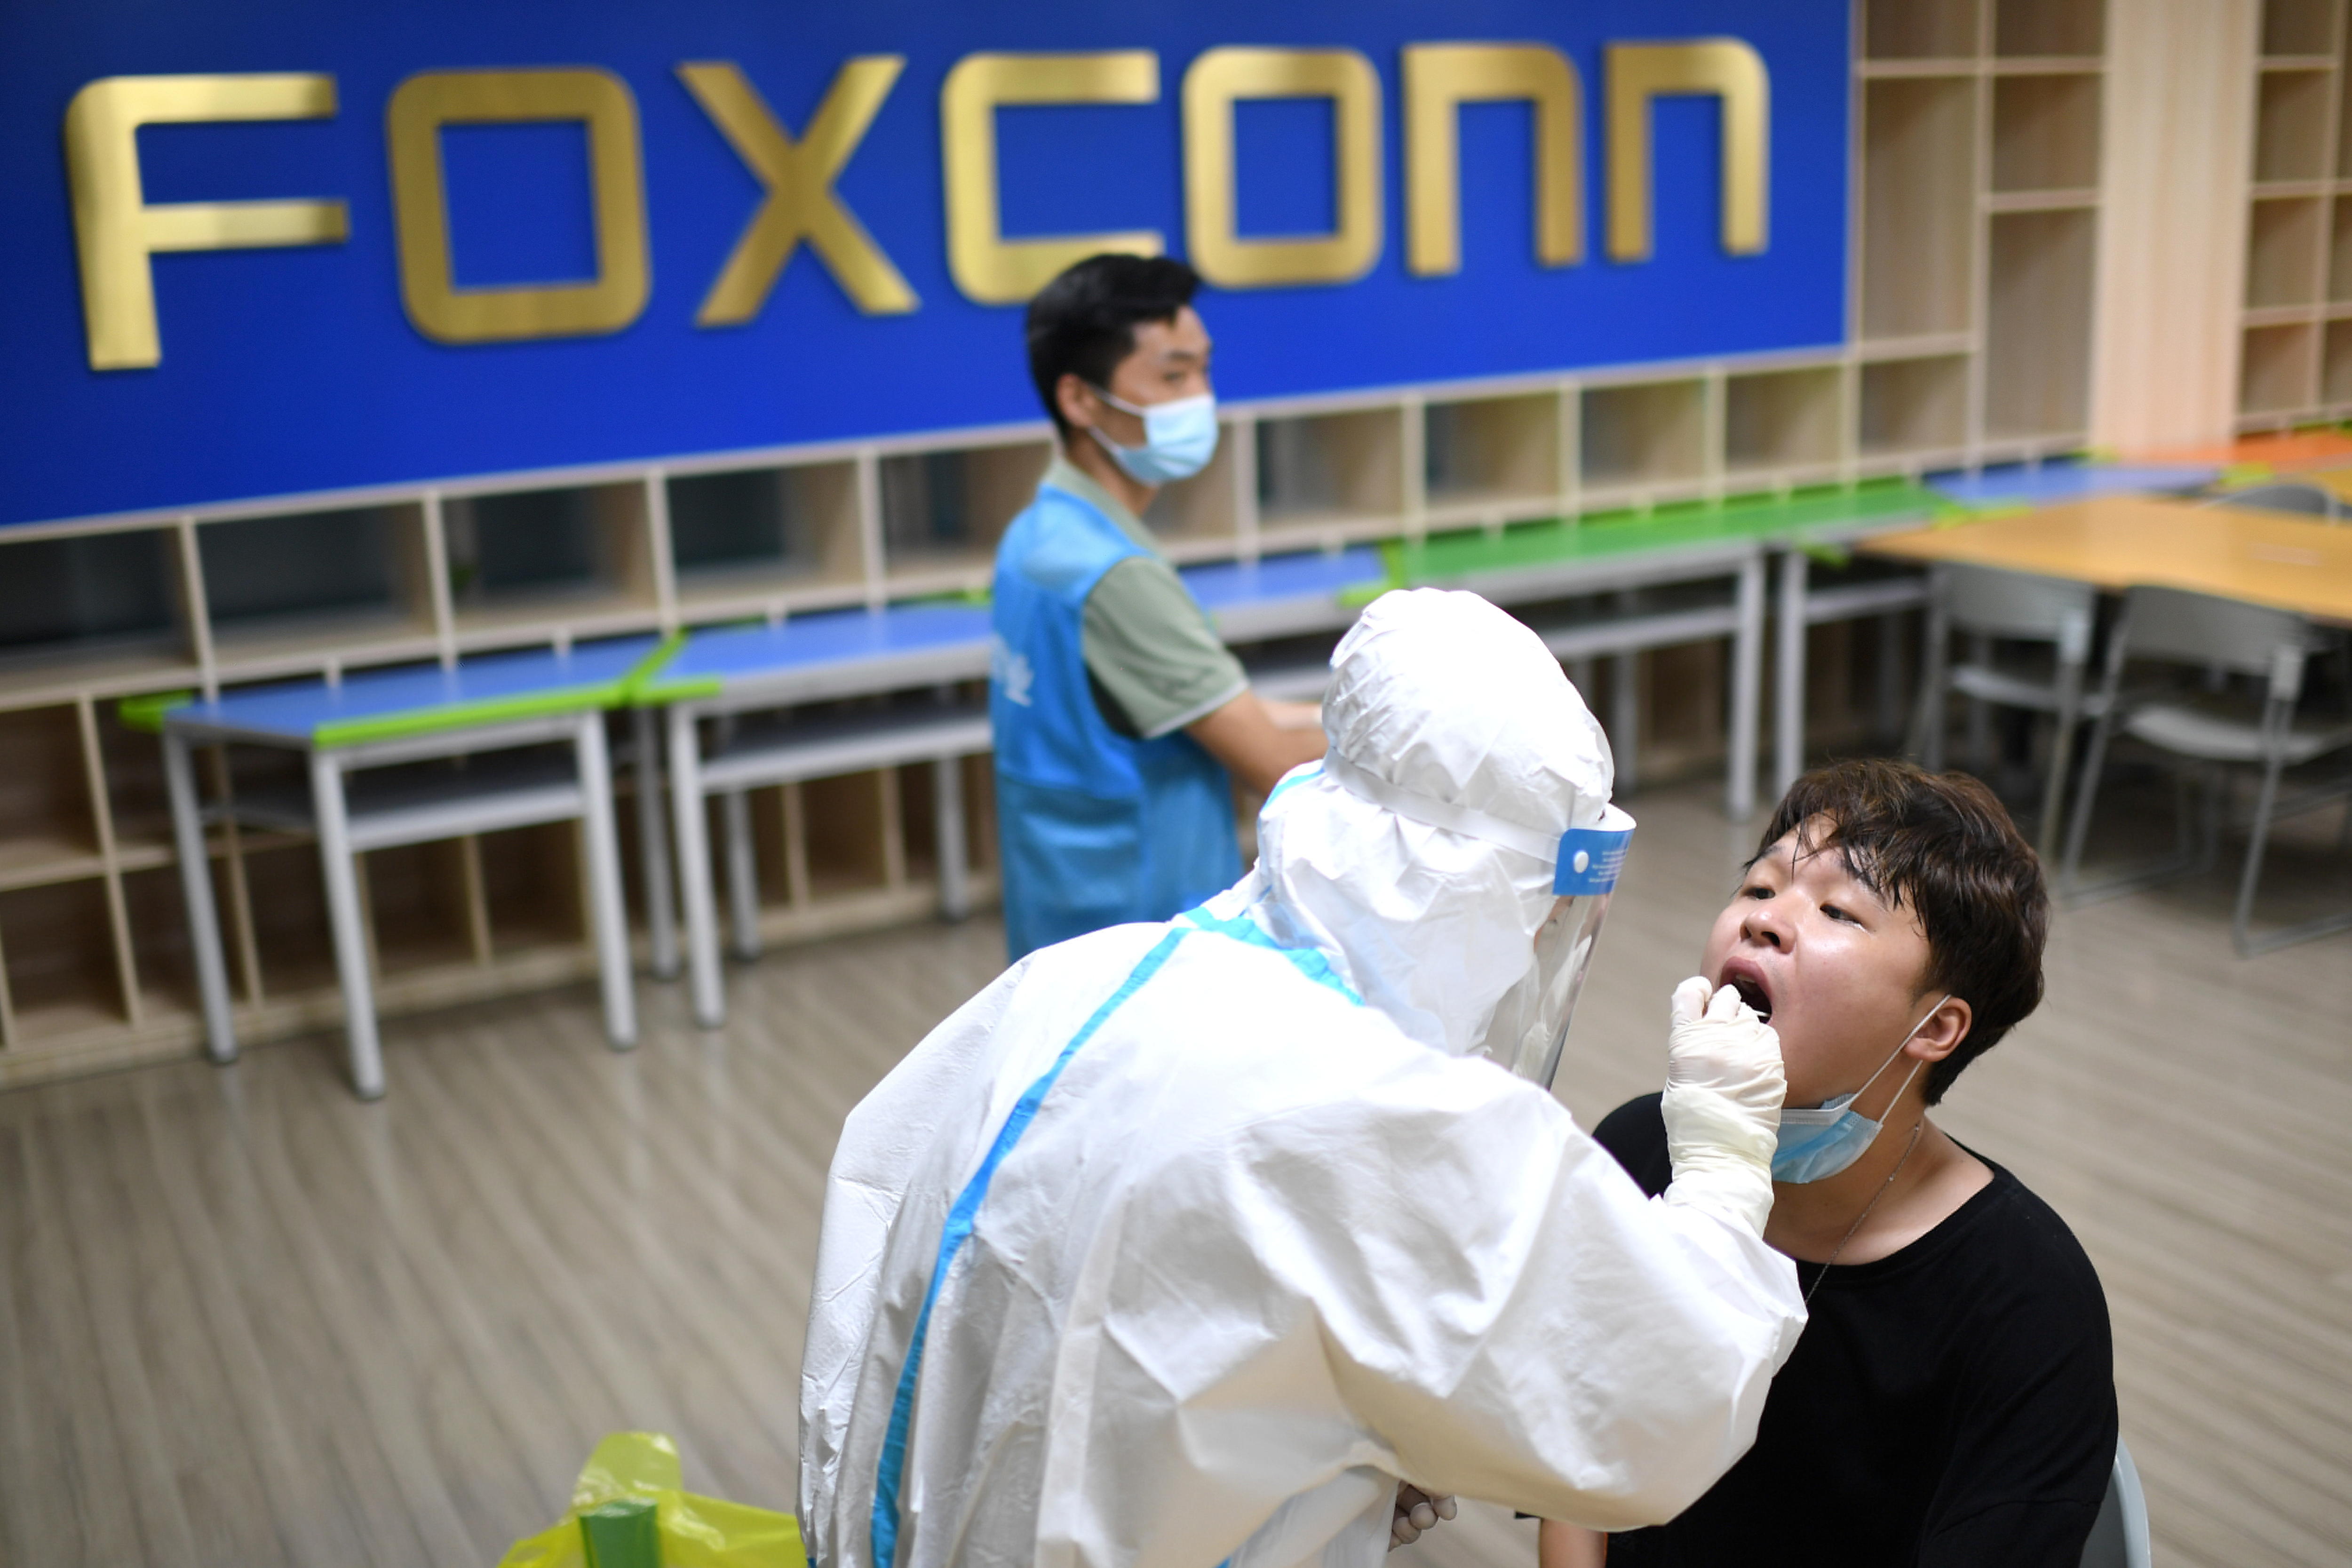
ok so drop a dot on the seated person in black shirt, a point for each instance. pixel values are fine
(1952, 1401)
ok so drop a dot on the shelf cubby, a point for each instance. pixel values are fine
(1491, 457)
(57, 941)
(1340, 472)
(322, 564)
(132, 765)
(1784, 420)
(847, 849)
(2282, 252)
(1914, 406)
(286, 901)
(1919, 206)
(324, 580)
(2291, 124)
(2037, 369)
(737, 535)
(2343, 163)
(1202, 515)
(47, 830)
(157, 913)
(942, 513)
(417, 896)
(2278, 370)
(2046, 29)
(2339, 251)
(90, 593)
(2335, 364)
(573, 551)
(2298, 27)
(2045, 132)
(1918, 29)
(1646, 436)
(531, 886)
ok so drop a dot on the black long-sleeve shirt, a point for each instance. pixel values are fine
(1950, 1405)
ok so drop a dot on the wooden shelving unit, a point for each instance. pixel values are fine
(1976, 187)
(2296, 353)
(1979, 188)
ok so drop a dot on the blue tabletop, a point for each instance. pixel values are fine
(2054, 482)
(1308, 574)
(712, 657)
(413, 699)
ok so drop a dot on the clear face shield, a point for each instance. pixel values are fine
(1530, 1023)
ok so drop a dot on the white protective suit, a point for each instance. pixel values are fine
(1180, 1244)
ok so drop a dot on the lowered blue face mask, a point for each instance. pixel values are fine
(1821, 1142)
(1179, 438)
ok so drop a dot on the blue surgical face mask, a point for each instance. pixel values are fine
(1179, 438)
(1821, 1142)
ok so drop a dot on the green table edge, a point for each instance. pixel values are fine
(1465, 555)
(147, 712)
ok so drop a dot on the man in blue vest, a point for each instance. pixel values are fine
(1121, 719)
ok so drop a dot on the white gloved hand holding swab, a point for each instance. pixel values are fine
(1724, 1085)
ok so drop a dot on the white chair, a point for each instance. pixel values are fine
(2119, 1535)
(2213, 730)
(1994, 606)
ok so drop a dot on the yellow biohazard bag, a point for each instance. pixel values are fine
(629, 1510)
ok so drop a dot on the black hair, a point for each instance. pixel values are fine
(1942, 844)
(1083, 323)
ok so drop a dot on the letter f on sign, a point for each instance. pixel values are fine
(116, 230)
(801, 200)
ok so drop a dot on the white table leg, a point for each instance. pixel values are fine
(197, 886)
(1981, 757)
(742, 874)
(607, 911)
(1925, 740)
(694, 868)
(1626, 711)
(1746, 678)
(653, 845)
(349, 924)
(955, 881)
(1788, 674)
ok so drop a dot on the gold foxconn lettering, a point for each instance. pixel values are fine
(116, 230)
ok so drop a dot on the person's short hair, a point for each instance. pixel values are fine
(1083, 323)
(1942, 845)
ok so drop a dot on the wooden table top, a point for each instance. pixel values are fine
(2123, 541)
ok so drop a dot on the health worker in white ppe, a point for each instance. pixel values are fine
(1184, 1244)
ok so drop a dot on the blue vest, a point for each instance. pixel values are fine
(1095, 828)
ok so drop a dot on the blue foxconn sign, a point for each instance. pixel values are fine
(262, 248)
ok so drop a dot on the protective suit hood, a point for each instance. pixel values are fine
(1441, 710)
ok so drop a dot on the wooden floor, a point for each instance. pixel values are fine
(245, 1320)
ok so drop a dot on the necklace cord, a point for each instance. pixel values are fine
(1839, 1251)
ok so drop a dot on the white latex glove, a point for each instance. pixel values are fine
(1724, 1089)
(1417, 1511)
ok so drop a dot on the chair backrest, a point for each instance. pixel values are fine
(2015, 603)
(2119, 1535)
(2198, 628)
(2286, 496)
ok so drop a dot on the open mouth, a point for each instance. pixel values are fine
(1752, 992)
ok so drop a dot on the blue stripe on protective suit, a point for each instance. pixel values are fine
(1095, 828)
(1304, 959)
(965, 1213)
(959, 1230)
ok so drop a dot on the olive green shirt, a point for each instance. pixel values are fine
(1148, 644)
